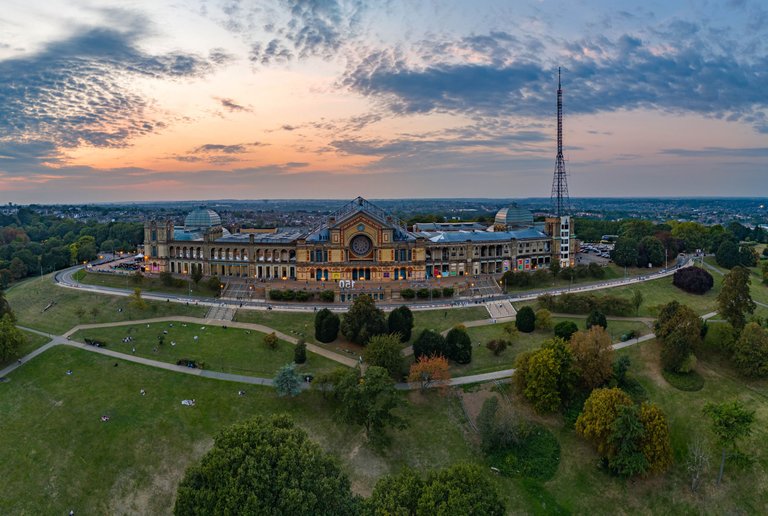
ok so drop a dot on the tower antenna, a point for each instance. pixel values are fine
(560, 200)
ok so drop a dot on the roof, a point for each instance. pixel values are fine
(352, 208)
(447, 226)
(279, 236)
(201, 218)
(482, 236)
(514, 217)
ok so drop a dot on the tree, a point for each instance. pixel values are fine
(430, 371)
(400, 320)
(600, 411)
(626, 431)
(137, 278)
(5, 307)
(196, 273)
(730, 421)
(637, 300)
(696, 462)
(763, 269)
(136, 301)
(679, 329)
(555, 268)
(592, 356)
(214, 284)
(543, 319)
(694, 280)
(458, 345)
(12, 339)
(747, 256)
(596, 318)
(565, 329)
(287, 381)
(166, 278)
(650, 250)
(734, 301)
(300, 352)
(750, 351)
(525, 321)
(326, 325)
(655, 443)
(369, 401)
(385, 351)
(265, 466)
(625, 252)
(271, 341)
(363, 321)
(429, 343)
(459, 489)
(727, 255)
(541, 374)
(18, 268)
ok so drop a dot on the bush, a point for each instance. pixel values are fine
(525, 321)
(458, 345)
(407, 293)
(303, 295)
(327, 296)
(436, 292)
(693, 280)
(536, 454)
(422, 293)
(166, 278)
(429, 343)
(276, 295)
(448, 291)
(498, 346)
(585, 303)
(543, 319)
(400, 321)
(565, 329)
(271, 341)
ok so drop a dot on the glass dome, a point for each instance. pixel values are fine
(514, 217)
(201, 218)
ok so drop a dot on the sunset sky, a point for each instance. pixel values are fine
(201, 99)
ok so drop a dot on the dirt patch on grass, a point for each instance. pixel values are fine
(159, 497)
(473, 401)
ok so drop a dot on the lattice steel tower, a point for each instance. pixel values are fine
(560, 201)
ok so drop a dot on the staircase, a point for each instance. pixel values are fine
(221, 313)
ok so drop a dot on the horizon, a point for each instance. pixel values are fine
(161, 101)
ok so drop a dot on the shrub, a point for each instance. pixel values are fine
(691, 381)
(448, 291)
(498, 346)
(585, 303)
(407, 293)
(276, 295)
(271, 341)
(565, 329)
(543, 319)
(436, 292)
(693, 280)
(525, 321)
(429, 343)
(303, 295)
(400, 321)
(327, 296)
(422, 293)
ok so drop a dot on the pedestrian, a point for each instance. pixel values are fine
(134, 351)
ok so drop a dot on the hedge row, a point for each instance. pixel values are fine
(585, 303)
(300, 295)
(424, 293)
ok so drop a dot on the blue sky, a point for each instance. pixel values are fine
(109, 101)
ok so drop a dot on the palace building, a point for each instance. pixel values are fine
(359, 242)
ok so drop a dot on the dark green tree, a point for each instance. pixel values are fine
(196, 273)
(730, 421)
(727, 254)
(750, 351)
(326, 325)
(12, 339)
(625, 252)
(525, 320)
(5, 307)
(363, 321)
(265, 466)
(565, 329)
(734, 300)
(429, 343)
(747, 256)
(214, 284)
(385, 351)
(458, 345)
(650, 250)
(300, 352)
(596, 318)
(400, 320)
(370, 401)
(627, 458)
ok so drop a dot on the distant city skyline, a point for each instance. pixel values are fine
(401, 99)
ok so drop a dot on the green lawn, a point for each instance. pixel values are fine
(657, 292)
(228, 350)
(612, 271)
(29, 298)
(484, 361)
(33, 342)
(303, 323)
(63, 457)
(148, 284)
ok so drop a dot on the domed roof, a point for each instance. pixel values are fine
(514, 217)
(201, 218)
